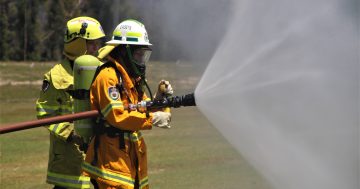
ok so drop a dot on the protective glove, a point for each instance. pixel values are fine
(161, 119)
(75, 138)
(164, 90)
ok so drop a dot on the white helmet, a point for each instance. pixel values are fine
(130, 32)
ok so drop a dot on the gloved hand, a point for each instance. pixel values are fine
(164, 90)
(161, 119)
(75, 138)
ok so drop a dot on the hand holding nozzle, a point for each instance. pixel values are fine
(164, 90)
(171, 102)
(161, 119)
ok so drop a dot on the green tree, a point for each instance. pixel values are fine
(53, 39)
(10, 45)
(4, 32)
(110, 13)
(33, 31)
(59, 12)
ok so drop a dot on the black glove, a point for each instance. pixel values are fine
(75, 138)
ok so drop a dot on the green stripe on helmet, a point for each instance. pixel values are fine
(134, 39)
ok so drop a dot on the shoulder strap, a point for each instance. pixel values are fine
(119, 85)
(106, 65)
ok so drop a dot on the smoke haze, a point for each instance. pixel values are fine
(185, 30)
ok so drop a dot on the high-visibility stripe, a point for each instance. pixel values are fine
(52, 110)
(68, 180)
(41, 113)
(108, 175)
(133, 136)
(133, 34)
(46, 110)
(128, 34)
(110, 106)
(43, 110)
(56, 128)
(53, 107)
(144, 182)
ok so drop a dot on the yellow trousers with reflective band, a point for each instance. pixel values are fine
(118, 174)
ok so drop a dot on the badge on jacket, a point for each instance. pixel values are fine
(45, 85)
(114, 93)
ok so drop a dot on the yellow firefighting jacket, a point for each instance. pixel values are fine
(65, 158)
(116, 166)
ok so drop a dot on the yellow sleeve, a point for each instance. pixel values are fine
(52, 102)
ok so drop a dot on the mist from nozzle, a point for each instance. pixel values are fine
(283, 88)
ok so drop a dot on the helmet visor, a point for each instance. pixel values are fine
(142, 55)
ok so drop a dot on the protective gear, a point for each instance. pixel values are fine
(161, 119)
(75, 138)
(78, 30)
(133, 36)
(164, 90)
(105, 51)
(138, 56)
(84, 71)
(131, 32)
(141, 55)
(65, 158)
(75, 48)
(83, 27)
(119, 139)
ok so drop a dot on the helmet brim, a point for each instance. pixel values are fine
(104, 51)
(110, 45)
(118, 42)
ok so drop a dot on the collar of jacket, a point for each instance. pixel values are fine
(62, 75)
(127, 82)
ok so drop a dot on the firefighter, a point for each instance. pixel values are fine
(117, 155)
(83, 35)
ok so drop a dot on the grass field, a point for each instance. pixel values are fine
(192, 154)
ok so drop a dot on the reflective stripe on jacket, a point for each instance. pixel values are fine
(68, 181)
(114, 166)
(65, 158)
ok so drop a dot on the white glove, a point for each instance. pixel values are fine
(164, 90)
(161, 119)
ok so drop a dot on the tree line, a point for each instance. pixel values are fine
(32, 30)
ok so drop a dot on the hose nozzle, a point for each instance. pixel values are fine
(171, 102)
(184, 100)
